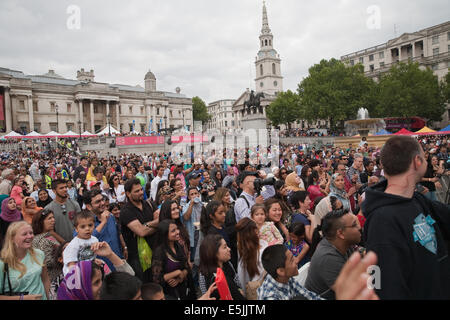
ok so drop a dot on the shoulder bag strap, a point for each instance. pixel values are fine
(6, 274)
(243, 197)
(4, 278)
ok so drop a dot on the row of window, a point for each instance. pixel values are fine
(266, 43)
(56, 108)
(274, 69)
(434, 67)
(71, 127)
(223, 124)
(435, 39)
(436, 50)
(275, 84)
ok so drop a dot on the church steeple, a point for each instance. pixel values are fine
(265, 26)
(266, 36)
(268, 62)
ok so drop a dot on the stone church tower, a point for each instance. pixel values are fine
(268, 63)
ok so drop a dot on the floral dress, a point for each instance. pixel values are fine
(49, 246)
(269, 233)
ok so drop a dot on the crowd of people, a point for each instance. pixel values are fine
(148, 227)
(319, 132)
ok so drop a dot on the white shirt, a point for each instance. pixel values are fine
(166, 174)
(154, 186)
(77, 250)
(243, 275)
(120, 194)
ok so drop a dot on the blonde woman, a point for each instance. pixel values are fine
(26, 270)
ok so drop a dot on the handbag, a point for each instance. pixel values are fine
(252, 286)
(145, 253)
(9, 293)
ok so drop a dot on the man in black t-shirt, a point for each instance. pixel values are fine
(138, 220)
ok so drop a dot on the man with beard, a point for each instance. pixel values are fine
(64, 210)
(105, 228)
(341, 233)
(138, 221)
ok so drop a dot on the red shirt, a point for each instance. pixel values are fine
(314, 192)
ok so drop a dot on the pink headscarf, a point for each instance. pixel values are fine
(9, 215)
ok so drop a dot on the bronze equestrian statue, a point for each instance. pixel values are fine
(254, 101)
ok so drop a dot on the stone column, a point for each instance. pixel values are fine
(8, 112)
(92, 117)
(147, 116)
(117, 116)
(153, 109)
(80, 112)
(168, 118)
(107, 113)
(30, 114)
(182, 114)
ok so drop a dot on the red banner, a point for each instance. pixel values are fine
(189, 139)
(2, 111)
(131, 141)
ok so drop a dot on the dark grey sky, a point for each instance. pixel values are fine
(206, 47)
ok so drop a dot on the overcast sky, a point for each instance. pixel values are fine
(206, 47)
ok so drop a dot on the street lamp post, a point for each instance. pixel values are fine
(165, 123)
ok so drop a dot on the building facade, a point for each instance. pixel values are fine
(267, 62)
(268, 82)
(49, 102)
(222, 117)
(429, 47)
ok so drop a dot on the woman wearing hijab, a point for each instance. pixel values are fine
(8, 215)
(337, 189)
(44, 198)
(29, 209)
(88, 275)
(292, 184)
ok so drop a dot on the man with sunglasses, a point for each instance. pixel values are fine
(64, 210)
(341, 232)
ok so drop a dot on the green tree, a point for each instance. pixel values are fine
(285, 109)
(407, 91)
(335, 91)
(199, 110)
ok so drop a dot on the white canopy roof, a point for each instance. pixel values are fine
(34, 134)
(70, 134)
(87, 134)
(52, 134)
(107, 130)
(12, 134)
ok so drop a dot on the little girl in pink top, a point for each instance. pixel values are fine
(267, 230)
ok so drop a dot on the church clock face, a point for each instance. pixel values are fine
(275, 83)
(261, 84)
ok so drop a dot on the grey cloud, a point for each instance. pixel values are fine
(205, 47)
